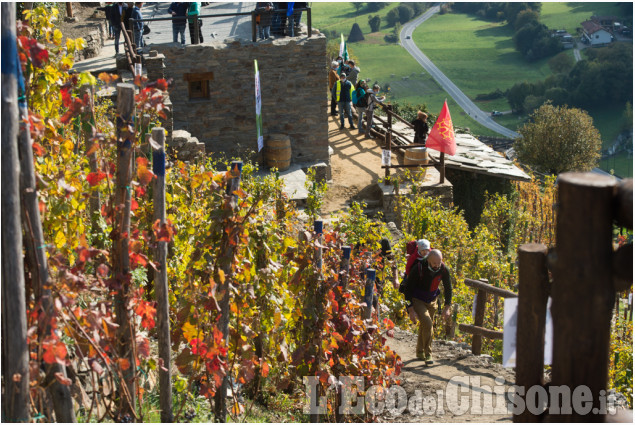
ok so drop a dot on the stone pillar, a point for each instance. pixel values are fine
(154, 65)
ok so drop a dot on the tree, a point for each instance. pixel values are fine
(392, 17)
(374, 22)
(525, 17)
(376, 6)
(532, 102)
(559, 139)
(405, 13)
(561, 63)
(557, 95)
(357, 6)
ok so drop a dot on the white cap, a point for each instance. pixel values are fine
(423, 244)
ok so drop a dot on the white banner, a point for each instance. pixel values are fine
(258, 108)
(385, 158)
(510, 316)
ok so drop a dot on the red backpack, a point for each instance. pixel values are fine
(411, 247)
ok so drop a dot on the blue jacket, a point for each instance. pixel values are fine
(136, 14)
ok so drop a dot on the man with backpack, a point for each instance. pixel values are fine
(360, 100)
(372, 100)
(421, 291)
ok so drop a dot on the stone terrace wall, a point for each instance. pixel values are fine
(293, 78)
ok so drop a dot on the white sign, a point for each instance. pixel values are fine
(510, 320)
(137, 69)
(510, 316)
(474, 307)
(385, 158)
(630, 299)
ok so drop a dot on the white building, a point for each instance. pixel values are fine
(595, 34)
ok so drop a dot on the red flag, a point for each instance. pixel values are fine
(441, 138)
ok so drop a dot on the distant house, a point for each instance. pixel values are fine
(594, 34)
(605, 21)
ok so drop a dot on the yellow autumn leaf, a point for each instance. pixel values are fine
(87, 78)
(60, 239)
(189, 331)
(221, 276)
(57, 37)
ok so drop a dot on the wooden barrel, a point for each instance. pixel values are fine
(278, 151)
(415, 156)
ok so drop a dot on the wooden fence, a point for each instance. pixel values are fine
(586, 273)
(477, 329)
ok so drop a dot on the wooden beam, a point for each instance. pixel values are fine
(624, 204)
(480, 332)
(477, 284)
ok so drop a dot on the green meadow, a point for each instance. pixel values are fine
(569, 16)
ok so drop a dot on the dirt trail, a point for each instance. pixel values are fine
(355, 166)
(453, 362)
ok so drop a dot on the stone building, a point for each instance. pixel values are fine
(213, 93)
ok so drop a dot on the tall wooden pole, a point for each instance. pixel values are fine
(369, 292)
(120, 236)
(582, 292)
(15, 356)
(345, 266)
(35, 249)
(88, 122)
(228, 249)
(533, 291)
(161, 287)
(479, 317)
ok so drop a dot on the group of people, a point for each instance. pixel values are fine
(118, 16)
(346, 90)
(273, 18)
(186, 13)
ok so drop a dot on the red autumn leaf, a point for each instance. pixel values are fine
(84, 254)
(142, 161)
(94, 178)
(264, 369)
(74, 109)
(103, 270)
(38, 150)
(62, 379)
(134, 204)
(66, 96)
(144, 175)
(138, 260)
(124, 364)
(163, 232)
(162, 84)
(143, 347)
(147, 312)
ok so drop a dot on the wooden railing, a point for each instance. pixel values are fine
(477, 329)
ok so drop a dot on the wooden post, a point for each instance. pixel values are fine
(196, 30)
(161, 288)
(345, 267)
(533, 291)
(37, 264)
(253, 27)
(318, 229)
(88, 122)
(15, 356)
(388, 145)
(369, 292)
(308, 22)
(479, 317)
(69, 13)
(442, 168)
(582, 292)
(228, 249)
(120, 239)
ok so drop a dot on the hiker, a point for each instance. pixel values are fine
(265, 12)
(421, 127)
(360, 102)
(178, 10)
(137, 27)
(353, 72)
(343, 92)
(421, 292)
(422, 251)
(297, 15)
(332, 80)
(372, 100)
(193, 12)
(116, 12)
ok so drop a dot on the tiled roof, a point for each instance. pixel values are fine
(591, 27)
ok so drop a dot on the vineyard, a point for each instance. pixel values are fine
(159, 290)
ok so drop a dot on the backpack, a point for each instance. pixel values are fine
(411, 247)
(357, 95)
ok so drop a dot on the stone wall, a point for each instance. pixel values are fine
(293, 75)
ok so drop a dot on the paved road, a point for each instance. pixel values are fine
(459, 97)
